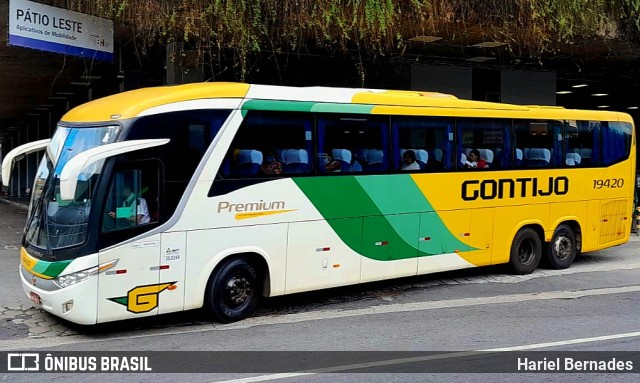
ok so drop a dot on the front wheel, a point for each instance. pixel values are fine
(526, 251)
(562, 249)
(233, 291)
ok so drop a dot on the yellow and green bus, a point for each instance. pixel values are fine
(217, 194)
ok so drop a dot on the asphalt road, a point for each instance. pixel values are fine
(592, 306)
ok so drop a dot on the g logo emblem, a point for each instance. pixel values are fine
(142, 299)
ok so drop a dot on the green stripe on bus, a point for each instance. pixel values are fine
(290, 106)
(304, 106)
(399, 194)
(342, 108)
(50, 269)
(55, 268)
(40, 267)
(394, 194)
(343, 197)
(337, 197)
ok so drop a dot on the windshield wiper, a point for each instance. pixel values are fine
(35, 211)
(38, 210)
(45, 217)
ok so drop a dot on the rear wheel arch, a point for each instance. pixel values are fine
(258, 260)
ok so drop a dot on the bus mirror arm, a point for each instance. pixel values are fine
(17, 154)
(75, 166)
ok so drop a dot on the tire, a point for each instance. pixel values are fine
(526, 251)
(233, 291)
(562, 249)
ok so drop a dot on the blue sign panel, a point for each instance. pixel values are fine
(39, 26)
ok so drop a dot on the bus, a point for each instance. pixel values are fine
(216, 195)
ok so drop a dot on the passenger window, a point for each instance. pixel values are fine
(484, 144)
(352, 144)
(616, 142)
(421, 143)
(133, 199)
(270, 144)
(190, 133)
(581, 138)
(538, 143)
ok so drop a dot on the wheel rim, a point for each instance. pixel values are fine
(562, 247)
(238, 291)
(526, 251)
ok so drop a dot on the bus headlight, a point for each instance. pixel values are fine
(79, 276)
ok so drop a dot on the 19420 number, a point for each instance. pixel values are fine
(608, 183)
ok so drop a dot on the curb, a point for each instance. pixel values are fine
(14, 203)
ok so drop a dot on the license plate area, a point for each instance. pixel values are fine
(35, 298)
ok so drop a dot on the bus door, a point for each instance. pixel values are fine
(134, 284)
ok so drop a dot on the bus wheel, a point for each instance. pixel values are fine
(233, 291)
(562, 249)
(526, 251)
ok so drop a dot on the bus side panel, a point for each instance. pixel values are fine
(567, 211)
(446, 254)
(614, 223)
(481, 236)
(590, 232)
(390, 257)
(317, 258)
(374, 270)
(508, 220)
(173, 257)
(207, 248)
(132, 288)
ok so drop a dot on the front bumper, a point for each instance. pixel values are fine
(53, 299)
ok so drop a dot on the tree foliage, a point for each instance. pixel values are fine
(375, 27)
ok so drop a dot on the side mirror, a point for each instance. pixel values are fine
(17, 154)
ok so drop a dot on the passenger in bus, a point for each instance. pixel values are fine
(409, 161)
(142, 215)
(355, 166)
(475, 162)
(330, 165)
(271, 164)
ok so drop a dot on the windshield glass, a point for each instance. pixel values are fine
(52, 222)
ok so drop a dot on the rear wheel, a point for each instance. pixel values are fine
(233, 291)
(562, 249)
(526, 251)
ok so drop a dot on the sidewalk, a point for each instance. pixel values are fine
(18, 317)
(12, 219)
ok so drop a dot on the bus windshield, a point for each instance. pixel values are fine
(54, 223)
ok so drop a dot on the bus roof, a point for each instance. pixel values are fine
(373, 101)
